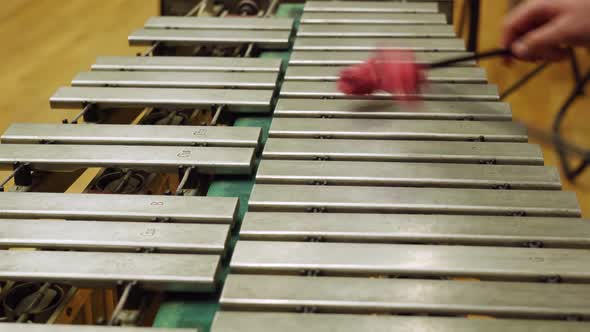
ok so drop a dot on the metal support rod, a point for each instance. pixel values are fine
(271, 8)
(216, 115)
(10, 176)
(38, 295)
(473, 25)
(184, 179)
(86, 108)
(123, 182)
(121, 303)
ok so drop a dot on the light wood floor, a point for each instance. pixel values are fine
(46, 42)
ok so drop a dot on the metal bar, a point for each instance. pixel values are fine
(212, 160)
(113, 236)
(415, 229)
(401, 296)
(267, 39)
(243, 80)
(369, 7)
(332, 58)
(409, 260)
(358, 30)
(105, 134)
(403, 151)
(373, 44)
(237, 100)
(83, 328)
(192, 273)
(379, 109)
(181, 63)
(444, 75)
(384, 174)
(434, 91)
(299, 198)
(398, 129)
(219, 23)
(227, 321)
(372, 18)
(218, 210)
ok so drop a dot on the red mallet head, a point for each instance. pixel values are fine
(395, 72)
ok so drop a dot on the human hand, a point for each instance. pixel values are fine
(543, 29)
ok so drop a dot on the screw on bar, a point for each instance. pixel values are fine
(124, 297)
(184, 179)
(11, 175)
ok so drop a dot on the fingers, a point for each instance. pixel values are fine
(526, 17)
(543, 42)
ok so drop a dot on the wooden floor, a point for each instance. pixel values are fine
(46, 42)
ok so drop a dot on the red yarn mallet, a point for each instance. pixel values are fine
(395, 72)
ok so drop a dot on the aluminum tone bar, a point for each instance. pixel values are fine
(219, 23)
(191, 209)
(372, 18)
(113, 236)
(58, 157)
(401, 296)
(266, 39)
(413, 229)
(301, 198)
(373, 44)
(30, 327)
(186, 63)
(369, 7)
(369, 30)
(229, 321)
(380, 109)
(403, 151)
(241, 80)
(441, 75)
(333, 58)
(384, 174)
(106, 134)
(190, 273)
(434, 91)
(435, 130)
(409, 260)
(235, 100)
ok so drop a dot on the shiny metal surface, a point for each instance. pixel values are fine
(266, 39)
(219, 23)
(59, 157)
(373, 44)
(300, 198)
(186, 63)
(369, 7)
(30, 327)
(433, 91)
(425, 229)
(212, 210)
(384, 174)
(410, 260)
(154, 271)
(235, 100)
(370, 30)
(372, 18)
(380, 109)
(228, 321)
(440, 75)
(333, 58)
(132, 135)
(406, 151)
(242, 80)
(113, 236)
(435, 130)
(364, 295)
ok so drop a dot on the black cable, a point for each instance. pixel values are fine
(524, 80)
(476, 56)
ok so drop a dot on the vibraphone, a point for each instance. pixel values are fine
(364, 216)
